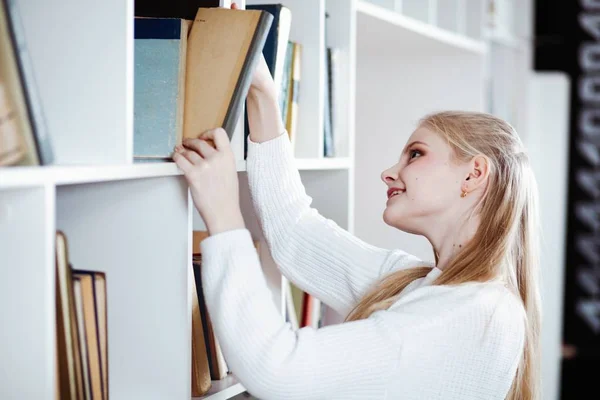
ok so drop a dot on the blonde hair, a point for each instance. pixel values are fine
(505, 244)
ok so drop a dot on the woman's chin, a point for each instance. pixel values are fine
(392, 217)
(398, 220)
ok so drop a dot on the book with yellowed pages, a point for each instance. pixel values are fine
(70, 371)
(81, 329)
(224, 47)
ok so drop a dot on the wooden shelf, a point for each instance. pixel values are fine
(223, 389)
(390, 31)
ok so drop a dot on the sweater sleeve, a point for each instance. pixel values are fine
(312, 251)
(270, 359)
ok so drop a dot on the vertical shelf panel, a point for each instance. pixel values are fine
(84, 71)
(138, 232)
(27, 312)
(308, 28)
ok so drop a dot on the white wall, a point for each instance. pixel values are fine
(546, 138)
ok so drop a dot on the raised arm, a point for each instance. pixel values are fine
(313, 252)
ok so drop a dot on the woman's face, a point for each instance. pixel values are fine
(424, 187)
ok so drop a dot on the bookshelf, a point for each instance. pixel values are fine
(134, 221)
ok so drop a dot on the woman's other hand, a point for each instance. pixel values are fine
(210, 171)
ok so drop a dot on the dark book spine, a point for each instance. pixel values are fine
(204, 317)
(185, 9)
(243, 85)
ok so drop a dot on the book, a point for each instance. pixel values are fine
(224, 46)
(201, 378)
(81, 329)
(70, 375)
(329, 150)
(85, 280)
(23, 132)
(291, 122)
(83, 338)
(160, 48)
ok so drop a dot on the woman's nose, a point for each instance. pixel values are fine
(389, 175)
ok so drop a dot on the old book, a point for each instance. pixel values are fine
(20, 105)
(224, 47)
(102, 321)
(70, 372)
(92, 339)
(160, 48)
(81, 328)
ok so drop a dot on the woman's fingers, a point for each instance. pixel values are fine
(182, 162)
(200, 146)
(191, 155)
(218, 136)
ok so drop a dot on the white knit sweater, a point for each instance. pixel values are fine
(435, 342)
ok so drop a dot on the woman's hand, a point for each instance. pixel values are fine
(212, 176)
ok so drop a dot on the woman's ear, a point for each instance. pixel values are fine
(478, 173)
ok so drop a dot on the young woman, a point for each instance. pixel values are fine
(465, 327)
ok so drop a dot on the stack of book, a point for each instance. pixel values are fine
(81, 329)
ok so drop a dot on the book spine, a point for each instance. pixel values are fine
(252, 57)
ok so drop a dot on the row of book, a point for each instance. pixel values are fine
(81, 329)
(182, 88)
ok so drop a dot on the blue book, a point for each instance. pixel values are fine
(160, 47)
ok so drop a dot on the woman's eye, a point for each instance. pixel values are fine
(414, 153)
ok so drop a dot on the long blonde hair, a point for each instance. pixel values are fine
(505, 244)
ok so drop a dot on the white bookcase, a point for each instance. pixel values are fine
(135, 221)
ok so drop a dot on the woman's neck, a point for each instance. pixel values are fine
(449, 243)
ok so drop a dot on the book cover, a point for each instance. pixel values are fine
(224, 46)
(20, 103)
(160, 47)
(70, 370)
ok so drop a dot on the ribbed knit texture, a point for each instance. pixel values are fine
(435, 342)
